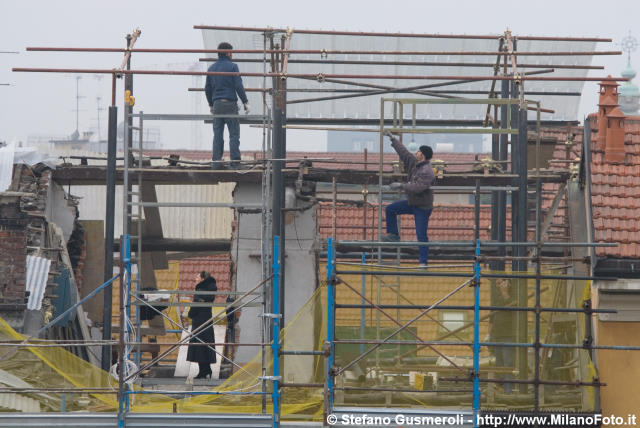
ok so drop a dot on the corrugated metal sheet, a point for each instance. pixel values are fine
(19, 402)
(191, 223)
(37, 274)
(196, 222)
(188, 223)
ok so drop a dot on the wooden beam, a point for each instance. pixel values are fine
(186, 245)
(95, 175)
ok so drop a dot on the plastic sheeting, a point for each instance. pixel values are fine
(369, 107)
(6, 166)
(64, 297)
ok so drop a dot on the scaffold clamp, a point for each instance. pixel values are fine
(270, 378)
(269, 315)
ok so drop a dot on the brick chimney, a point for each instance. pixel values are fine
(610, 123)
(614, 141)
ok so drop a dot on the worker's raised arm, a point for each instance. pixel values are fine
(405, 155)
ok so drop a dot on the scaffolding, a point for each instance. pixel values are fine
(507, 171)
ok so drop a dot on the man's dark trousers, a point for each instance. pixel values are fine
(421, 217)
(233, 125)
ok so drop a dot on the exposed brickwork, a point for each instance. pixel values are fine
(13, 265)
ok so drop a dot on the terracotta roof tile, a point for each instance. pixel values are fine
(615, 196)
(218, 266)
(447, 223)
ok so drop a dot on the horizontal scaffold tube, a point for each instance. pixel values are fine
(472, 244)
(319, 51)
(317, 76)
(443, 274)
(269, 30)
(482, 308)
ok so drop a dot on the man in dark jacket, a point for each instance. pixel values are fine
(221, 93)
(419, 202)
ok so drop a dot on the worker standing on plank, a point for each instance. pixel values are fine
(221, 93)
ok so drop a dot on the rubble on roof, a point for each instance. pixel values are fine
(42, 244)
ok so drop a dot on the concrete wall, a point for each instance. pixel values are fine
(620, 370)
(93, 272)
(300, 270)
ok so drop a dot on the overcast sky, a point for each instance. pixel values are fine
(44, 103)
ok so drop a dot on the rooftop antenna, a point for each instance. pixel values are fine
(7, 52)
(99, 109)
(629, 44)
(77, 109)
(99, 78)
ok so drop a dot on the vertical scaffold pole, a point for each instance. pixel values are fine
(362, 302)
(476, 312)
(108, 234)
(331, 301)
(125, 284)
(275, 344)
(476, 337)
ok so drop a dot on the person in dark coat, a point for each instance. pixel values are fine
(203, 355)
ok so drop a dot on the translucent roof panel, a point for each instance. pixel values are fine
(566, 107)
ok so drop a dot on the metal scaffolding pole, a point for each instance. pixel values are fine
(320, 77)
(108, 234)
(320, 51)
(330, 345)
(397, 34)
(476, 313)
(277, 326)
(278, 185)
(416, 63)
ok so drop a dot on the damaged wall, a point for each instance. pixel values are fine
(38, 221)
(300, 270)
(13, 264)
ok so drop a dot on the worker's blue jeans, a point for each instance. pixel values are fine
(233, 124)
(421, 218)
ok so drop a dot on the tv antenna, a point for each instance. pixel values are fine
(629, 44)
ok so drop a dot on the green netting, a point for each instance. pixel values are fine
(56, 367)
(443, 371)
(407, 367)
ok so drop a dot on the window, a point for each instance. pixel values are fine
(453, 320)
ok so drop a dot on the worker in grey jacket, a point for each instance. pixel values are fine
(419, 202)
